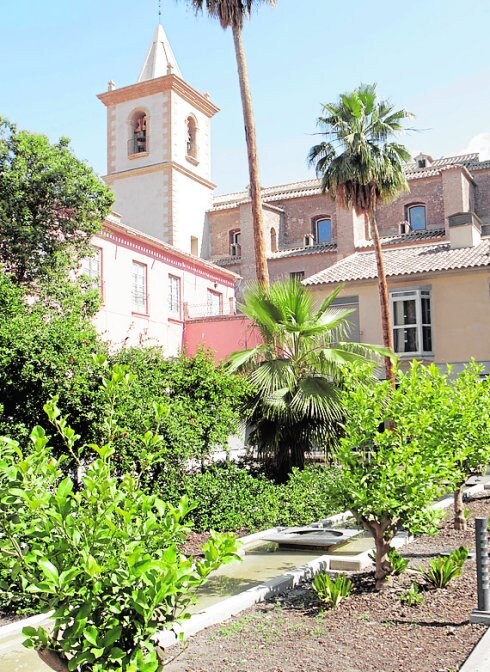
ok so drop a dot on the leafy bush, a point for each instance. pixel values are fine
(307, 495)
(229, 498)
(412, 596)
(47, 348)
(194, 403)
(444, 569)
(100, 552)
(332, 591)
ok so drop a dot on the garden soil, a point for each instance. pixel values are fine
(368, 632)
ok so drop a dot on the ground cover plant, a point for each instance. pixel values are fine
(100, 552)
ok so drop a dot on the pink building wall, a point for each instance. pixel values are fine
(119, 322)
(221, 335)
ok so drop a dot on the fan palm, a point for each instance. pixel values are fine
(360, 168)
(231, 14)
(296, 372)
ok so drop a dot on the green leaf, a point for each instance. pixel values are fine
(49, 570)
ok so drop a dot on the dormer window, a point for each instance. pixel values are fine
(138, 142)
(191, 139)
(416, 216)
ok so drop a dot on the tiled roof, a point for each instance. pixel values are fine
(403, 238)
(404, 261)
(312, 187)
(301, 251)
(281, 254)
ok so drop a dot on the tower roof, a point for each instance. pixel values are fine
(158, 58)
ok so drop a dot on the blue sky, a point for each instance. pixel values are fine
(428, 56)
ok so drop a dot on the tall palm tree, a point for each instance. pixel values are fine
(360, 168)
(231, 14)
(296, 372)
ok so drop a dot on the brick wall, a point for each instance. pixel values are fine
(427, 191)
(299, 214)
(221, 223)
(482, 194)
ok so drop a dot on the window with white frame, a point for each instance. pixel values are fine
(235, 244)
(322, 230)
(174, 295)
(138, 287)
(215, 303)
(416, 216)
(92, 267)
(412, 323)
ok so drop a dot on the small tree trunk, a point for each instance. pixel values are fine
(53, 660)
(459, 519)
(383, 295)
(382, 546)
(253, 167)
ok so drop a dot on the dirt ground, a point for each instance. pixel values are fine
(369, 632)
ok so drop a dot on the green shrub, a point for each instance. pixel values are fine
(100, 552)
(332, 591)
(307, 496)
(229, 498)
(412, 596)
(197, 405)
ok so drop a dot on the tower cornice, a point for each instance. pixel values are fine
(160, 85)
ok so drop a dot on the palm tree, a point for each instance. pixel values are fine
(231, 13)
(296, 372)
(360, 168)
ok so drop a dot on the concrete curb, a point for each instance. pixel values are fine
(479, 658)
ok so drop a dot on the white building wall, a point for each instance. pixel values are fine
(119, 323)
(144, 203)
(190, 202)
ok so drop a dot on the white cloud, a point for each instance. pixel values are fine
(479, 143)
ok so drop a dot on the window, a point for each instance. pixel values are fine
(138, 287)
(273, 240)
(416, 217)
(235, 245)
(215, 303)
(174, 295)
(297, 275)
(351, 303)
(138, 140)
(412, 329)
(191, 137)
(92, 267)
(322, 230)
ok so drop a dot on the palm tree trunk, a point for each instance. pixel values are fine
(383, 295)
(253, 168)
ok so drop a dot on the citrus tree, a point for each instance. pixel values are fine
(393, 461)
(99, 553)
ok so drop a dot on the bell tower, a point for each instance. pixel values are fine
(158, 151)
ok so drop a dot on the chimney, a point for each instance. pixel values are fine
(464, 229)
(423, 160)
